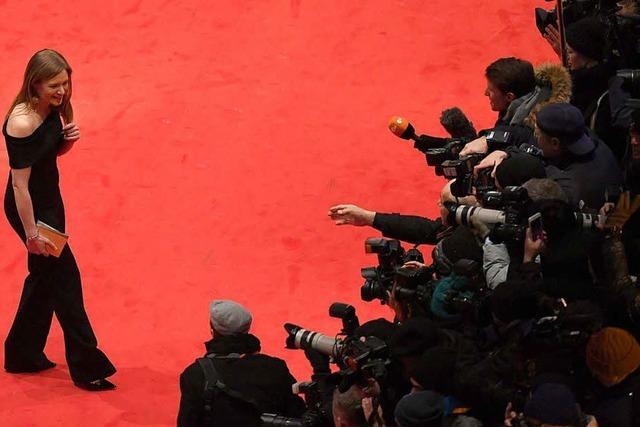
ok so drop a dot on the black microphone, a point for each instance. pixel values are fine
(457, 124)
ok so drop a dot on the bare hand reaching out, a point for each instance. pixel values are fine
(351, 214)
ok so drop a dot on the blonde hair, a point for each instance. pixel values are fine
(44, 65)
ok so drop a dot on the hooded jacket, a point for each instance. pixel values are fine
(553, 85)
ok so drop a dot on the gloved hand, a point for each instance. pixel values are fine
(618, 217)
(319, 362)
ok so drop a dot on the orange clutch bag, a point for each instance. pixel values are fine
(57, 237)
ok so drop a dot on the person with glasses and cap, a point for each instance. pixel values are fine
(569, 150)
(583, 166)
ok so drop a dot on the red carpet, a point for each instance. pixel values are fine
(215, 137)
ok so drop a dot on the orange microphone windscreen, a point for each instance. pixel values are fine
(401, 127)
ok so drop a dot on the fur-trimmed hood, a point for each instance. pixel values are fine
(558, 80)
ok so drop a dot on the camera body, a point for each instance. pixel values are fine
(359, 359)
(379, 279)
(414, 285)
(504, 211)
(462, 170)
(513, 201)
(318, 413)
(436, 156)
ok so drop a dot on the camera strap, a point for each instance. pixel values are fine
(213, 385)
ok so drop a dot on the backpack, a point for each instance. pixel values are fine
(232, 402)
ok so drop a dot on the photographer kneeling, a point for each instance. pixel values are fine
(234, 384)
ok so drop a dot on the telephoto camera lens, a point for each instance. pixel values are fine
(303, 338)
(462, 214)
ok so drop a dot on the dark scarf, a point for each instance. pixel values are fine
(239, 344)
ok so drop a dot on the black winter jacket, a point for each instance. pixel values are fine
(262, 378)
(409, 228)
(618, 406)
(590, 174)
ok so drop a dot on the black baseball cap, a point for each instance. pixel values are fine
(565, 122)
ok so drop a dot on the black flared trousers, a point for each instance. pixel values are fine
(54, 286)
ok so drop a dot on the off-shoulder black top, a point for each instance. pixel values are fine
(40, 152)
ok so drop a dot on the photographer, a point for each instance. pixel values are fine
(610, 264)
(550, 404)
(490, 384)
(348, 408)
(516, 92)
(596, 90)
(248, 383)
(620, 22)
(436, 371)
(408, 228)
(564, 254)
(496, 258)
(566, 147)
(613, 358)
(584, 167)
(516, 170)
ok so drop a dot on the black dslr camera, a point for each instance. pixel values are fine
(513, 201)
(358, 359)
(465, 181)
(449, 152)
(391, 255)
(318, 412)
(505, 212)
(415, 284)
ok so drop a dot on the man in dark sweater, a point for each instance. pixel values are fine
(262, 382)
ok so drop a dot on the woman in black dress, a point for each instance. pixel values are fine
(35, 133)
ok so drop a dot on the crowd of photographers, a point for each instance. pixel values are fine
(529, 312)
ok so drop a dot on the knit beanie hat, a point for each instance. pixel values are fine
(587, 37)
(612, 355)
(420, 409)
(518, 169)
(552, 404)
